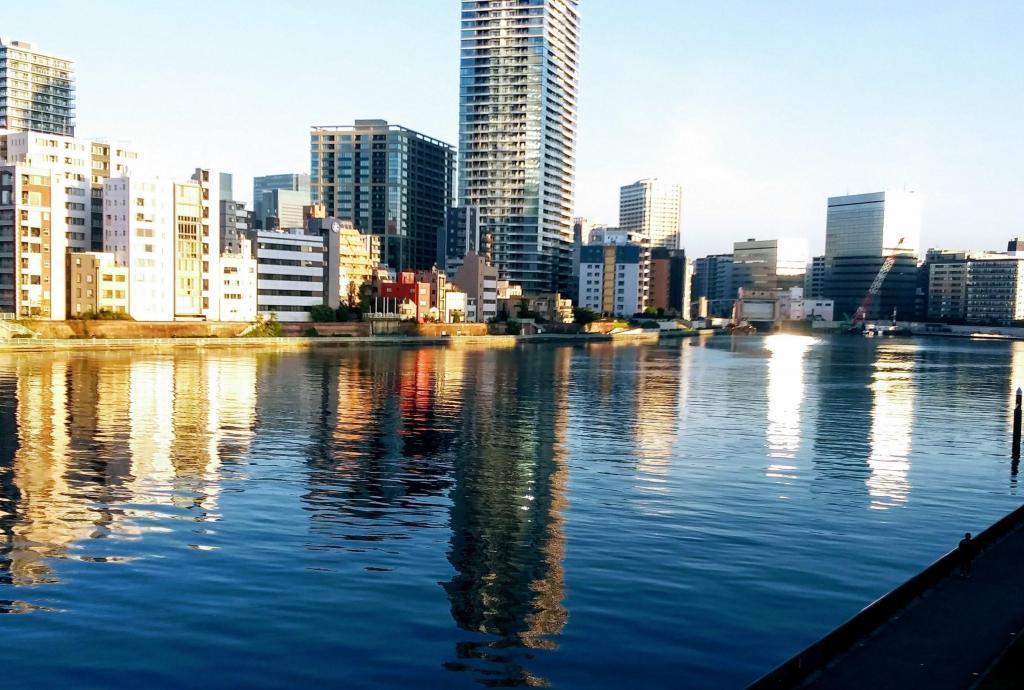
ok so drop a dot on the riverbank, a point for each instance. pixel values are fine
(302, 343)
(937, 630)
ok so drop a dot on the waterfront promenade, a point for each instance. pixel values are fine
(950, 635)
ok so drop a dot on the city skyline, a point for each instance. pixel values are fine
(748, 160)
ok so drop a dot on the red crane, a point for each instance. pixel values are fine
(876, 286)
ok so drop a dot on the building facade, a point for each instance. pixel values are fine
(238, 284)
(461, 236)
(671, 282)
(862, 230)
(264, 207)
(236, 225)
(517, 133)
(610, 279)
(292, 268)
(713, 290)
(995, 291)
(95, 284)
(479, 280)
(387, 181)
(37, 90)
(769, 264)
(814, 282)
(653, 208)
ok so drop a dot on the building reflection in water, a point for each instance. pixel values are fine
(507, 543)
(892, 417)
(82, 436)
(785, 396)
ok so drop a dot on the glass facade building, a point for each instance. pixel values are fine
(263, 201)
(861, 231)
(517, 133)
(387, 181)
(37, 91)
(769, 264)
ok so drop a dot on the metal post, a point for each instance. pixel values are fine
(1016, 425)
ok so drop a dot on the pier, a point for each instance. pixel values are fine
(938, 630)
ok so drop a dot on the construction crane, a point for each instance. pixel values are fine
(876, 287)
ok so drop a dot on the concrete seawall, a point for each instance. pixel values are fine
(290, 343)
(935, 630)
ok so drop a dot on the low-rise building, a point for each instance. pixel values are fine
(406, 297)
(295, 270)
(238, 301)
(438, 282)
(455, 305)
(479, 280)
(95, 285)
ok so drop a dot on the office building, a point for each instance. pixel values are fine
(653, 208)
(611, 280)
(517, 133)
(814, 281)
(671, 278)
(264, 207)
(95, 284)
(109, 159)
(37, 90)
(713, 290)
(299, 268)
(769, 264)
(462, 236)
(862, 230)
(387, 181)
(995, 291)
(479, 280)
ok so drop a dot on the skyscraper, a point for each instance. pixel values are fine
(388, 181)
(263, 202)
(37, 91)
(517, 133)
(654, 208)
(861, 231)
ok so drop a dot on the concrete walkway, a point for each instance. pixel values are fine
(946, 639)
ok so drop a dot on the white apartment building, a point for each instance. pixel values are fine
(37, 92)
(653, 208)
(209, 242)
(138, 229)
(238, 284)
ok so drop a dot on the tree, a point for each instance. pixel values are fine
(583, 316)
(265, 327)
(322, 313)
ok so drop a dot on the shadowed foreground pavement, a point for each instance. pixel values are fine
(947, 638)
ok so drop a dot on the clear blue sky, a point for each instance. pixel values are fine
(759, 109)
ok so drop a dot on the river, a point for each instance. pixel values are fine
(686, 514)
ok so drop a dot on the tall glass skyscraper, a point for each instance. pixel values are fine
(517, 134)
(861, 231)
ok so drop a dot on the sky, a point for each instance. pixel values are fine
(760, 110)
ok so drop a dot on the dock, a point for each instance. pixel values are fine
(938, 630)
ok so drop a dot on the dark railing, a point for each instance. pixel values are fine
(829, 648)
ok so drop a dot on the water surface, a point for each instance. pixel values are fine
(686, 515)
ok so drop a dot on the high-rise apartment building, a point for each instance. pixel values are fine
(654, 208)
(861, 231)
(517, 133)
(387, 181)
(265, 205)
(37, 90)
(461, 237)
